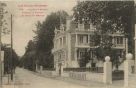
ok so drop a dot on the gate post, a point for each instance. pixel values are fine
(57, 69)
(61, 69)
(41, 69)
(107, 77)
(127, 69)
(36, 68)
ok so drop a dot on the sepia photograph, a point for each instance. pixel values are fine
(67, 43)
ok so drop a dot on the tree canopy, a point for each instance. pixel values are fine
(42, 43)
(45, 30)
(108, 17)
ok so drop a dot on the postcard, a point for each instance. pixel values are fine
(67, 44)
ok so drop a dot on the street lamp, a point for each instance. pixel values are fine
(11, 50)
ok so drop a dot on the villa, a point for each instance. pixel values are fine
(72, 40)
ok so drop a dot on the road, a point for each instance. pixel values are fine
(26, 79)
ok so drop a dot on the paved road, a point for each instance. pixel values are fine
(25, 79)
(28, 79)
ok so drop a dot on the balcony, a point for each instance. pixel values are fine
(82, 45)
(119, 46)
(85, 27)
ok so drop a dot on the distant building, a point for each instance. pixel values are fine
(73, 39)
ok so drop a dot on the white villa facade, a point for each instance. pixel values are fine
(73, 39)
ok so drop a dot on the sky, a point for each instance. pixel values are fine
(23, 26)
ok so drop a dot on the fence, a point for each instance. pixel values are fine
(118, 75)
(92, 69)
(49, 69)
(77, 75)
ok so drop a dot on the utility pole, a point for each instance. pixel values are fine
(11, 50)
(1, 14)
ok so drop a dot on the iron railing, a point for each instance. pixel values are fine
(92, 69)
(49, 69)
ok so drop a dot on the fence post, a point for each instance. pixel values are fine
(107, 77)
(61, 69)
(127, 69)
(41, 69)
(57, 69)
(36, 68)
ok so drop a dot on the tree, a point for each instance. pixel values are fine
(7, 59)
(3, 31)
(45, 30)
(30, 46)
(45, 35)
(38, 50)
(3, 23)
(28, 60)
(107, 17)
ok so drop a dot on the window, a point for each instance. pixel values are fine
(60, 41)
(87, 26)
(119, 40)
(83, 39)
(57, 43)
(81, 54)
(76, 25)
(64, 40)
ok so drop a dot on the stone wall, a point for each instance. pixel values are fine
(49, 73)
(96, 77)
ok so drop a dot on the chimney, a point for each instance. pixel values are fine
(68, 23)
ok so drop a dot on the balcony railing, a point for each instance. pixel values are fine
(79, 29)
(83, 44)
(119, 45)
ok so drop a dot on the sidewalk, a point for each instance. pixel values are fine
(92, 84)
(116, 84)
(7, 83)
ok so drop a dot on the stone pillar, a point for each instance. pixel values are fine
(2, 68)
(69, 49)
(2, 62)
(61, 69)
(135, 55)
(36, 68)
(135, 47)
(75, 54)
(107, 77)
(68, 22)
(57, 69)
(76, 40)
(41, 69)
(126, 45)
(62, 42)
(127, 69)
(88, 39)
